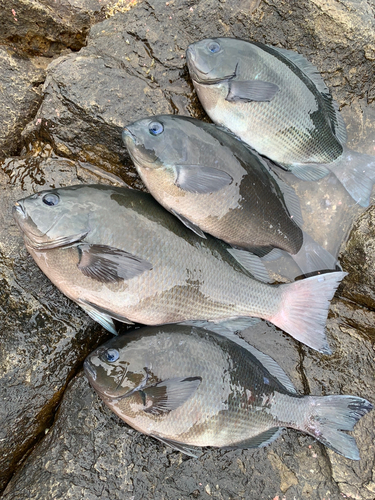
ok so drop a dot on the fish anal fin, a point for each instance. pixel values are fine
(251, 90)
(191, 451)
(309, 172)
(258, 441)
(109, 265)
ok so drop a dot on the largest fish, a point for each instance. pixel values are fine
(276, 101)
(190, 387)
(119, 254)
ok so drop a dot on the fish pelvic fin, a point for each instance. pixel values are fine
(356, 172)
(328, 416)
(304, 308)
(312, 257)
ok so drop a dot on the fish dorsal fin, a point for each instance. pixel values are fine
(251, 263)
(269, 364)
(291, 199)
(202, 180)
(169, 394)
(338, 124)
(191, 451)
(109, 265)
(189, 224)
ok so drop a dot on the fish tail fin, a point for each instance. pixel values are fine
(328, 416)
(311, 257)
(304, 308)
(356, 171)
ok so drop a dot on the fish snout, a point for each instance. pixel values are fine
(89, 370)
(127, 133)
(18, 209)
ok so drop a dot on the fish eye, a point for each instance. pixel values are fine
(155, 128)
(51, 199)
(213, 47)
(112, 355)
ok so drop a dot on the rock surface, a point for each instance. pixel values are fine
(133, 65)
(44, 337)
(45, 27)
(21, 80)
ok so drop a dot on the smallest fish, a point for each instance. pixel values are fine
(189, 387)
(214, 183)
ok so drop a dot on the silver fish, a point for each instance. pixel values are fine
(190, 387)
(276, 101)
(120, 255)
(215, 183)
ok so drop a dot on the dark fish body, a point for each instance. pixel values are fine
(248, 211)
(276, 101)
(215, 182)
(119, 254)
(190, 387)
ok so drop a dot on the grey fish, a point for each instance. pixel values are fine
(217, 184)
(276, 101)
(120, 255)
(189, 387)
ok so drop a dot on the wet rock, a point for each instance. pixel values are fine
(134, 65)
(90, 453)
(359, 260)
(46, 27)
(43, 336)
(350, 370)
(21, 82)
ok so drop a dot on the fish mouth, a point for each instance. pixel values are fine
(18, 210)
(191, 58)
(128, 133)
(89, 370)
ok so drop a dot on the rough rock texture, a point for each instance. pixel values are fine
(45, 27)
(90, 453)
(43, 336)
(359, 261)
(21, 82)
(133, 65)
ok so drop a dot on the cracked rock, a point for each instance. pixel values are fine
(44, 337)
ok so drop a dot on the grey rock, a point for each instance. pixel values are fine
(90, 453)
(21, 80)
(44, 337)
(45, 27)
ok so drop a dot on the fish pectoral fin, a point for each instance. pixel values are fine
(251, 263)
(189, 224)
(102, 316)
(169, 394)
(202, 180)
(262, 439)
(251, 90)
(310, 172)
(191, 451)
(109, 265)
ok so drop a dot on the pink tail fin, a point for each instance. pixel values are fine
(304, 308)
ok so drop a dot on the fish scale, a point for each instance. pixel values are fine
(119, 254)
(212, 391)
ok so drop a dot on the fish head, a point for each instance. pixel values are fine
(161, 142)
(55, 217)
(212, 60)
(117, 368)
